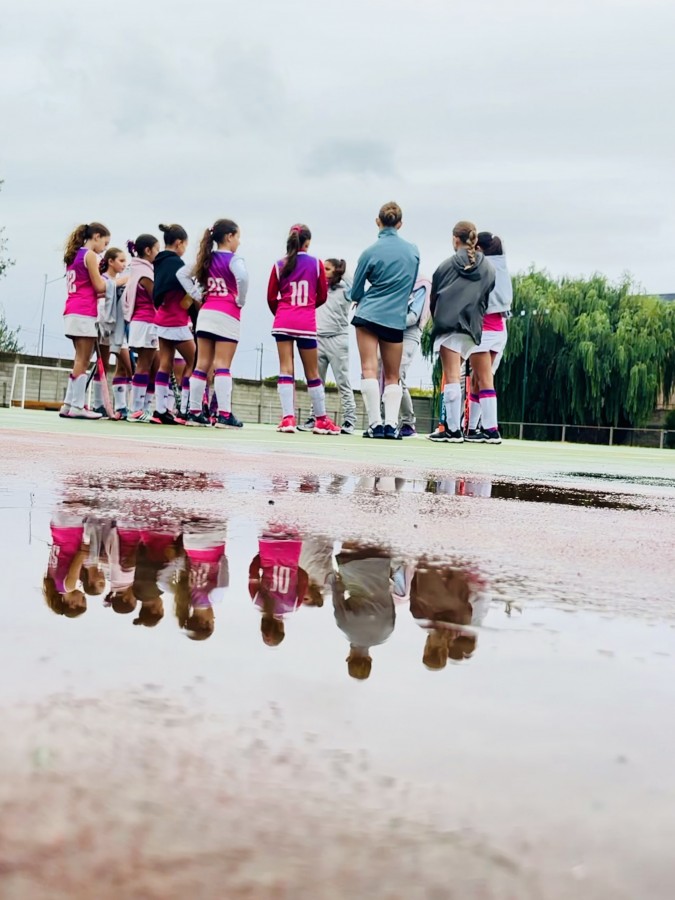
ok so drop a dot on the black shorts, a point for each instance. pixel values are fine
(303, 343)
(216, 338)
(381, 332)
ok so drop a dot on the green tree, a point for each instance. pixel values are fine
(599, 353)
(9, 339)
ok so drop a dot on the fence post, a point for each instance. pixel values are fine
(520, 431)
(662, 439)
(611, 436)
(564, 430)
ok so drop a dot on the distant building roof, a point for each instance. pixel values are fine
(667, 296)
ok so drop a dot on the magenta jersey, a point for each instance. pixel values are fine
(66, 543)
(144, 311)
(204, 570)
(279, 562)
(296, 311)
(221, 286)
(157, 544)
(171, 314)
(81, 299)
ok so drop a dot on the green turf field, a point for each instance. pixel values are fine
(526, 459)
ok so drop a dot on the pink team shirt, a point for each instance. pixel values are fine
(204, 569)
(171, 314)
(493, 322)
(279, 562)
(144, 311)
(297, 296)
(222, 290)
(66, 543)
(81, 299)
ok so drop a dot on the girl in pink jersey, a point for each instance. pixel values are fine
(200, 585)
(175, 292)
(84, 284)
(296, 287)
(223, 277)
(276, 582)
(139, 312)
(62, 586)
(111, 333)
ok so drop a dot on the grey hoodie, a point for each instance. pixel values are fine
(459, 295)
(501, 298)
(333, 316)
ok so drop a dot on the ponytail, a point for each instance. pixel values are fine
(79, 237)
(339, 269)
(142, 243)
(467, 233)
(297, 238)
(172, 234)
(110, 256)
(221, 229)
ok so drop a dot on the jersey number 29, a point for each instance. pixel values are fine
(217, 287)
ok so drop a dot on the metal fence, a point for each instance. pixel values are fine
(659, 438)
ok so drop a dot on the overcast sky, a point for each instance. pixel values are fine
(550, 123)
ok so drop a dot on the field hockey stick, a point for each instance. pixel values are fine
(103, 380)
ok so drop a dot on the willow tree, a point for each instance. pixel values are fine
(584, 352)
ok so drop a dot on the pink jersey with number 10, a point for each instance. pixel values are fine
(81, 299)
(221, 286)
(298, 293)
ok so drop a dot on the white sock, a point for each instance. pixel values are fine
(317, 395)
(474, 411)
(120, 393)
(79, 391)
(286, 391)
(139, 387)
(452, 395)
(223, 386)
(391, 398)
(370, 392)
(97, 393)
(185, 395)
(149, 399)
(69, 391)
(197, 385)
(161, 391)
(170, 400)
(488, 408)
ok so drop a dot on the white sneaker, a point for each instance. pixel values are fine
(75, 413)
(64, 411)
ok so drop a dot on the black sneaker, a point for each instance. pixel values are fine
(492, 436)
(308, 425)
(101, 410)
(164, 418)
(198, 420)
(475, 436)
(374, 431)
(391, 433)
(228, 420)
(439, 436)
(454, 437)
(347, 428)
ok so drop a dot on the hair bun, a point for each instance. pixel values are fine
(163, 228)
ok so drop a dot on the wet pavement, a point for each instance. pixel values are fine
(265, 677)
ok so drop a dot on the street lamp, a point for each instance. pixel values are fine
(528, 315)
(40, 346)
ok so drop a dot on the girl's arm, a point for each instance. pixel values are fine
(91, 262)
(322, 286)
(148, 285)
(357, 290)
(185, 281)
(240, 272)
(70, 581)
(434, 293)
(273, 290)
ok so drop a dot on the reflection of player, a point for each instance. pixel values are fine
(276, 582)
(446, 601)
(363, 603)
(155, 552)
(122, 555)
(201, 583)
(68, 553)
(316, 559)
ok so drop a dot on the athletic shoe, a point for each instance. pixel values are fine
(475, 436)
(325, 425)
(101, 410)
(121, 414)
(198, 420)
(227, 420)
(454, 437)
(287, 425)
(65, 409)
(163, 418)
(391, 433)
(139, 416)
(180, 418)
(446, 436)
(436, 435)
(374, 431)
(492, 436)
(347, 428)
(75, 413)
(407, 431)
(308, 425)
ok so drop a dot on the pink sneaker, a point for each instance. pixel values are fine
(325, 425)
(75, 413)
(287, 425)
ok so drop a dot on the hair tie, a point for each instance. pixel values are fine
(211, 231)
(296, 229)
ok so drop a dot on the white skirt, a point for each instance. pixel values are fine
(491, 342)
(218, 323)
(80, 326)
(177, 334)
(143, 336)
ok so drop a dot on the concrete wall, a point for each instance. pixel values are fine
(252, 401)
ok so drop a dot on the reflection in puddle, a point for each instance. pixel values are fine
(148, 564)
